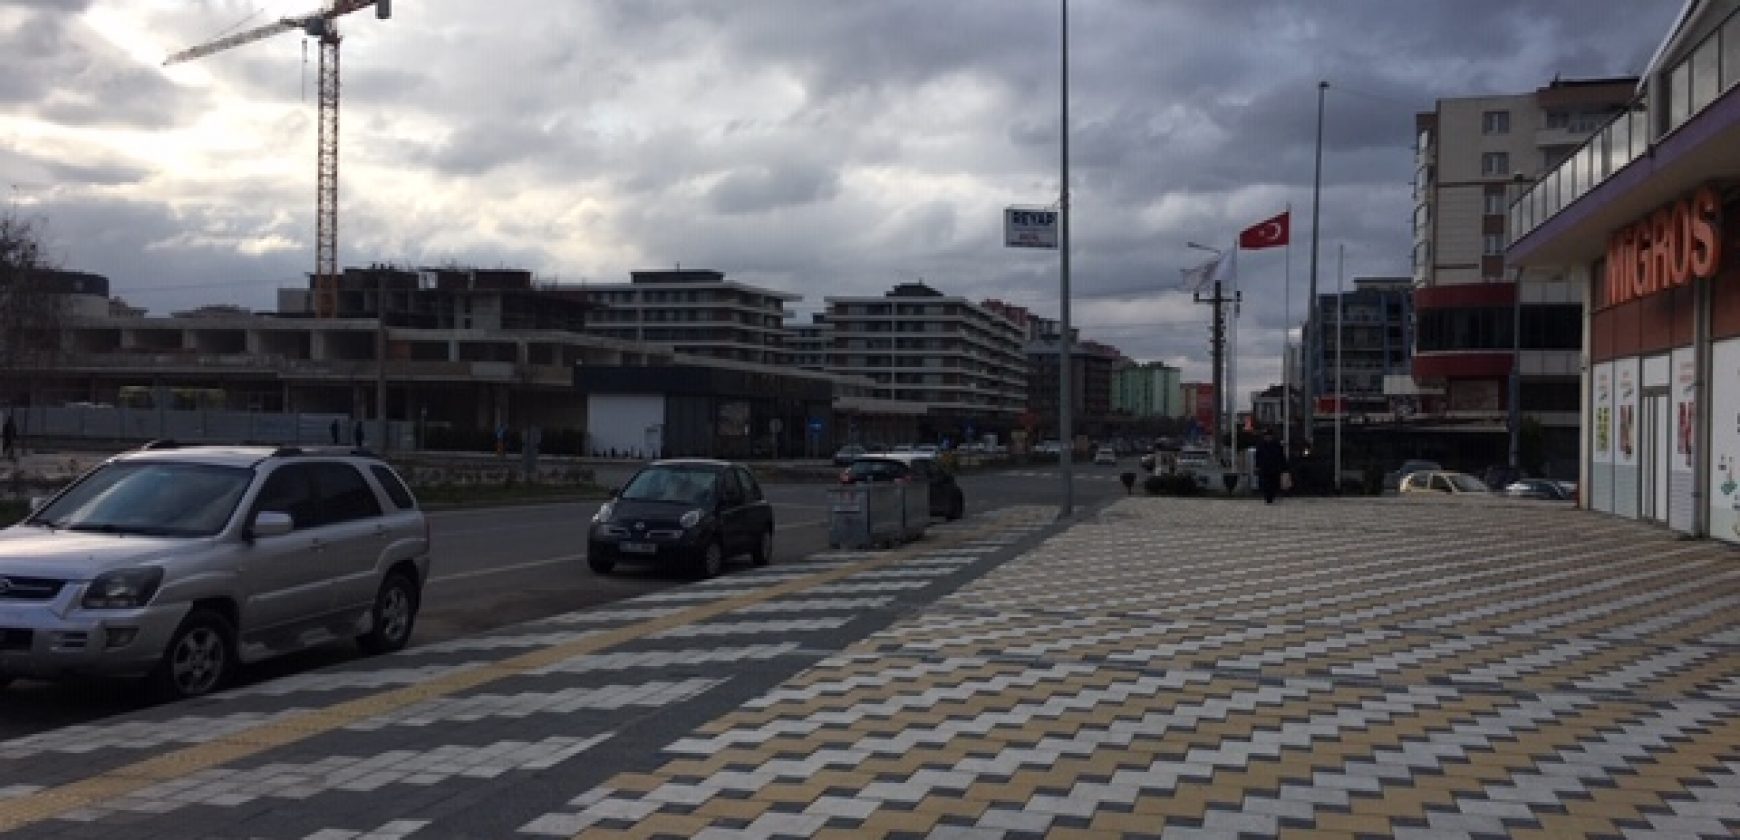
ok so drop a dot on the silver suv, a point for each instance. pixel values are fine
(179, 563)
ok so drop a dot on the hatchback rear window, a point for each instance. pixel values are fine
(876, 469)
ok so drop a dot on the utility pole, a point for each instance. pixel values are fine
(1219, 301)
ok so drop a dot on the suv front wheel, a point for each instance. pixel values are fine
(199, 659)
(395, 613)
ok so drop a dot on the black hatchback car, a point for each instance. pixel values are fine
(692, 513)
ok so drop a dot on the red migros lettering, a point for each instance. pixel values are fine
(1666, 249)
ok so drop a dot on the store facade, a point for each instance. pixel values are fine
(1645, 217)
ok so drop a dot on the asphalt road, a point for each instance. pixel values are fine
(498, 566)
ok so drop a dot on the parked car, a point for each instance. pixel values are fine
(178, 564)
(1393, 480)
(1500, 475)
(946, 498)
(691, 512)
(1105, 455)
(1539, 488)
(845, 455)
(1442, 481)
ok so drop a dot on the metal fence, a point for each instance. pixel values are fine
(115, 423)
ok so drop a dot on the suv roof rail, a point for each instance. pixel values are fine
(356, 451)
(164, 443)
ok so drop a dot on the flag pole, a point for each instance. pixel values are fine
(1287, 341)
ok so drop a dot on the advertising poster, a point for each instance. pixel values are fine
(1685, 393)
(1603, 413)
(1725, 441)
(1625, 403)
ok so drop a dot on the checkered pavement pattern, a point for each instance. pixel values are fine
(1215, 668)
(483, 734)
(1162, 668)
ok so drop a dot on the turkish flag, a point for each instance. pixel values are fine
(1267, 233)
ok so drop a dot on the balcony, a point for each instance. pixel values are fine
(1632, 170)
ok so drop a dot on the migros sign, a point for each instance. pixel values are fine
(1666, 249)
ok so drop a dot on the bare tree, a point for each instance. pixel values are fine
(32, 310)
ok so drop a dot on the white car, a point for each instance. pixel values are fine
(1105, 455)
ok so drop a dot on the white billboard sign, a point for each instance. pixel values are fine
(1029, 227)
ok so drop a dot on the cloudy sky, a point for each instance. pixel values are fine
(818, 146)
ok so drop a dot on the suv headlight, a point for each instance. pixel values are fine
(604, 512)
(691, 519)
(123, 590)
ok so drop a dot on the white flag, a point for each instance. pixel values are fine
(1196, 279)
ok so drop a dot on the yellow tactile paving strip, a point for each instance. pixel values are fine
(1215, 668)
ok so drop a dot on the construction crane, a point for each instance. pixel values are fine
(322, 26)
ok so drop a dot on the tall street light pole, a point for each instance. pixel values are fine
(1066, 435)
(1312, 339)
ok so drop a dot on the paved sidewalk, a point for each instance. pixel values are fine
(1173, 668)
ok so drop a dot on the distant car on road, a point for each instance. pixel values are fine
(845, 455)
(180, 563)
(1443, 481)
(690, 512)
(946, 498)
(1539, 488)
(1105, 455)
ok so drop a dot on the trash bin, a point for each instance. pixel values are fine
(914, 510)
(864, 515)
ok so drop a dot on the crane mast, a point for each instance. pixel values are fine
(322, 26)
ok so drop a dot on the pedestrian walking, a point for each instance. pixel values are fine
(1271, 466)
(10, 433)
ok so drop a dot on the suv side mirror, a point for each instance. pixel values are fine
(271, 523)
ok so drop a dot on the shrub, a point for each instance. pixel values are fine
(1175, 484)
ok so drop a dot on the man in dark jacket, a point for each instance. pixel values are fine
(1271, 463)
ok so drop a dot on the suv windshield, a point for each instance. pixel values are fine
(685, 485)
(155, 499)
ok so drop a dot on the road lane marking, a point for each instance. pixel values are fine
(245, 743)
(516, 567)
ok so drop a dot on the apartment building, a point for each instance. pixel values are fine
(1366, 335)
(921, 346)
(1148, 389)
(694, 311)
(810, 346)
(1474, 156)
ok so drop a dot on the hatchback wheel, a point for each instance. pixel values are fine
(601, 565)
(199, 659)
(763, 553)
(395, 613)
(711, 562)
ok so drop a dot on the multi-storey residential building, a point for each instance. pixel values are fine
(1474, 156)
(811, 345)
(1641, 221)
(1149, 389)
(961, 359)
(1366, 336)
(1093, 369)
(697, 312)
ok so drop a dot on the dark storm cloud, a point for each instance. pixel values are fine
(759, 188)
(51, 67)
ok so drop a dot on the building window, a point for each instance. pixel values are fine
(1558, 119)
(1495, 204)
(1495, 163)
(1494, 243)
(1495, 122)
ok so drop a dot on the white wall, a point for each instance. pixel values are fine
(622, 422)
(1725, 440)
